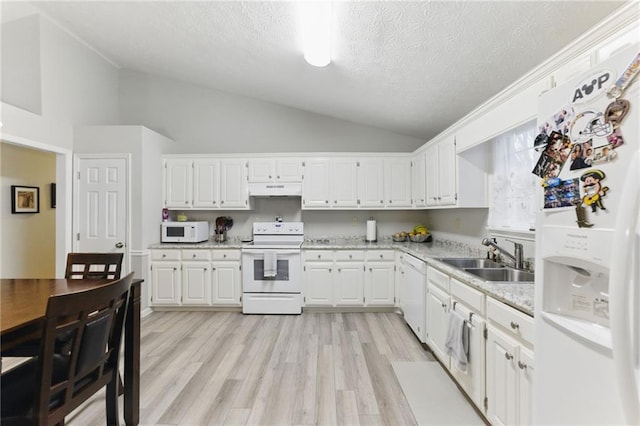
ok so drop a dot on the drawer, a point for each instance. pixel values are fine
(196, 254)
(323, 255)
(349, 255)
(165, 255)
(225, 254)
(513, 321)
(438, 278)
(380, 255)
(471, 297)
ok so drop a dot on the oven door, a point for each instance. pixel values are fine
(288, 272)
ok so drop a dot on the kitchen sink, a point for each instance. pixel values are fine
(474, 262)
(502, 274)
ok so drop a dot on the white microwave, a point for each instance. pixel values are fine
(184, 232)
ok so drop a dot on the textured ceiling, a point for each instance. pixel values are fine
(410, 67)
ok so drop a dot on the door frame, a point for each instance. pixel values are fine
(126, 261)
(63, 195)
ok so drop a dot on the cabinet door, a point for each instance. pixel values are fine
(501, 378)
(178, 185)
(344, 182)
(525, 386)
(348, 283)
(379, 284)
(318, 284)
(226, 283)
(447, 172)
(437, 321)
(233, 184)
(418, 180)
(397, 177)
(166, 283)
(261, 170)
(371, 182)
(315, 186)
(289, 170)
(196, 283)
(432, 186)
(206, 183)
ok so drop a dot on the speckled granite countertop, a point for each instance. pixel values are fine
(517, 295)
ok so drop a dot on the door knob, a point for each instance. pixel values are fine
(119, 245)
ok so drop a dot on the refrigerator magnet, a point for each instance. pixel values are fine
(593, 190)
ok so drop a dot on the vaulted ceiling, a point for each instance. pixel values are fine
(412, 67)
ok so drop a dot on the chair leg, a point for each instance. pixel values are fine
(111, 401)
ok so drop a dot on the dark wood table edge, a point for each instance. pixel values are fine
(132, 356)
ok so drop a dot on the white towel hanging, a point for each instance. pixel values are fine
(270, 264)
(457, 342)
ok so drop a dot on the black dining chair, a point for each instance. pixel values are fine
(45, 389)
(94, 265)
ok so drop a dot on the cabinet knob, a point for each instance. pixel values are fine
(224, 255)
(186, 202)
(381, 201)
(269, 176)
(205, 269)
(390, 201)
(515, 325)
(214, 201)
(175, 269)
(350, 256)
(339, 270)
(370, 270)
(318, 256)
(329, 269)
(508, 356)
(164, 255)
(193, 255)
(213, 269)
(522, 365)
(326, 201)
(278, 177)
(443, 305)
(381, 256)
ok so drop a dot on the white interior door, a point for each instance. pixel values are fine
(102, 207)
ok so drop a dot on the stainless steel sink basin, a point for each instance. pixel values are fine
(501, 274)
(462, 263)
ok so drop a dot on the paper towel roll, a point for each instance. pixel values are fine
(371, 230)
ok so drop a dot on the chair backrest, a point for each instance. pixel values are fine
(94, 265)
(94, 319)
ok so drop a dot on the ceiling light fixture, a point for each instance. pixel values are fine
(316, 29)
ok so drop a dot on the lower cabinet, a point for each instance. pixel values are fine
(195, 277)
(437, 321)
(510, 365)
(349, 278)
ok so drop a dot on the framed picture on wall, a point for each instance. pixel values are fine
(25, 199)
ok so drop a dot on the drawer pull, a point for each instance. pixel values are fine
(508, 356)
(350, 256)
(164, 255)
(193, 255)
(318, 256)
(515, 325)
(224, 255)
(443, 305)
(522, 365)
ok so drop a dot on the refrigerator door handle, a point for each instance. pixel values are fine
(623, 343)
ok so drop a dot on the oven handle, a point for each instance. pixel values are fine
(261, 251)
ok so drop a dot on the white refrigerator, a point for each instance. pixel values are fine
(587, 303)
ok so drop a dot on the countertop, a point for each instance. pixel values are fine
(517, 295)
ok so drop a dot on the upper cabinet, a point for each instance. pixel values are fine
(455, 180)
(357, 183)
(206, 183)
(267, 170)
(418, 180)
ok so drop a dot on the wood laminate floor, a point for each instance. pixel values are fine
(200, 368)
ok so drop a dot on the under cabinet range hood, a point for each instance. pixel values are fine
(275, 189)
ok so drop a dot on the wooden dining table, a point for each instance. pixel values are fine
(23, 305)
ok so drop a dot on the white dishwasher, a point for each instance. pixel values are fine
(413, 295)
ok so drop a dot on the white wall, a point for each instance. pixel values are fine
(211, 121)
(28, 240)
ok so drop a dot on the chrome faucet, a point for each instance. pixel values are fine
(517, 256)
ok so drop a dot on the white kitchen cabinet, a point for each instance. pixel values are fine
(418, 180)
(318, 283)
(437, 321)
(379, 282)
(344, 182)
(226, 283)
(206, 183)
(316, 189)
(441, 173)
(371, 183)
(510, 365)
(266, 170)
(178, 183)
(397, 177)
(234, 193)
(196, 283)
(166, 282)
(348, 283)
